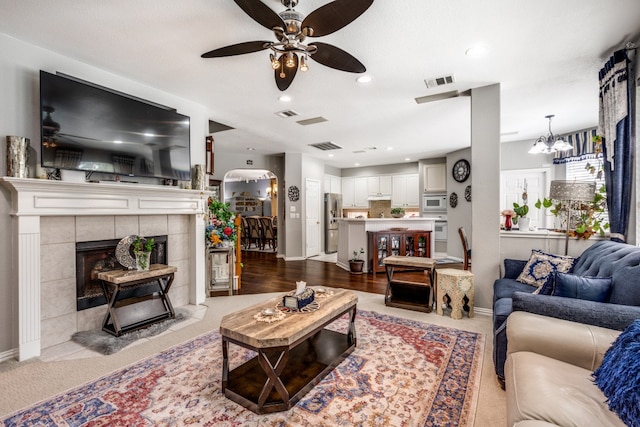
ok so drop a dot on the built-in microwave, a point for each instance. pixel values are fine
(434, 203)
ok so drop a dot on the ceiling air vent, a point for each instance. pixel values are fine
(325, 146)
(439, 81)
(312, 121)
(286, 114)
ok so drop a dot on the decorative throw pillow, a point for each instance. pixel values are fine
(619, 375)
(582, 287)
(547, 287)
(541, 265)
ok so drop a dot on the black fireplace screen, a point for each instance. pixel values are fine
(96, 256)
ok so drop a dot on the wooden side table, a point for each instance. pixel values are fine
(406, 294)
(136, 299)
(457, 284)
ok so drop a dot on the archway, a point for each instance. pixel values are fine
(251, 192)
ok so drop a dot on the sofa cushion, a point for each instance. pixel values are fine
(619, 261)
(542, 388)
(541, 265)
(513, 267)
(581, 287)
(504, 288)
(619, 375)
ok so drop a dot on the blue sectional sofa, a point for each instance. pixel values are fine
(619, 261)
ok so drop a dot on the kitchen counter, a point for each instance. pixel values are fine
(352, 234)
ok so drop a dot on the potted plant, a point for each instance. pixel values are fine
(355, 263)
(397, 212)
(142, 250)
(521, 216)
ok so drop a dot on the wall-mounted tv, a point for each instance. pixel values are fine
(90, 128)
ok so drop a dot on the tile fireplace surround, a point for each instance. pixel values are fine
(49, 217)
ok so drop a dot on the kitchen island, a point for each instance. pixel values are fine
(352, 234)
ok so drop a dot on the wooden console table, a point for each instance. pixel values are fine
(410, 295)
(136, 299)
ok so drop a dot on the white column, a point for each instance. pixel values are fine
(27, 273)
(197, 286)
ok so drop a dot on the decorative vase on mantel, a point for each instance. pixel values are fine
(142, 260)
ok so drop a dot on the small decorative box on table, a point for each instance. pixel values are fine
(457, 284)
(136, 299)
(410, 295)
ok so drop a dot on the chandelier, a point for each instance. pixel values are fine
(550, 144)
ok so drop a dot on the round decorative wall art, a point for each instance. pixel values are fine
(467, 193)
(294, 193)
(453, 200)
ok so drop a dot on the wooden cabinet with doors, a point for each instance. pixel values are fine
(382, 244)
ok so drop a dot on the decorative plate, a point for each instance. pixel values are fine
(461, 170)
(453, 200)
(294, 193)
(467, 193)
(123, 252)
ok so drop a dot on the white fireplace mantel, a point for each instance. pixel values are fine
(34, 198)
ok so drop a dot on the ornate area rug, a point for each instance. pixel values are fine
(402, 373)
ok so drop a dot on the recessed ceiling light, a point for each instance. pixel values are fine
(356, 164)
(364, 79)
(389, 148)
(407, 159)
(330, 155)
(284, 98)
(117, 142)
(477, 51)
(251, 149)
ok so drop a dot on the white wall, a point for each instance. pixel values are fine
(20, 64)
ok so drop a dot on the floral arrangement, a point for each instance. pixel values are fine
(220, 227)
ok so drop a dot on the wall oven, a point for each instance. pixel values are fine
(434, 203)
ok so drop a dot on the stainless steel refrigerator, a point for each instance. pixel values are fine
(332, 211)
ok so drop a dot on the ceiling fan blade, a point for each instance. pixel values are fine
(237, 49)
(337, 58)
(333, 16)
(261, 13)
(283, 83)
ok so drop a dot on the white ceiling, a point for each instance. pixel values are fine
(546, 55)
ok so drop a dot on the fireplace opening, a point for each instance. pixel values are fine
(100, 255)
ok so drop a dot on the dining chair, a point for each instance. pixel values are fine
(255, 232)
(465, 248)
(268, 233)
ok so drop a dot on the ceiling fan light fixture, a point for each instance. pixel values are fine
(275, 64)
(304, 65)
(290, 61)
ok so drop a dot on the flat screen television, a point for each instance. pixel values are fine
(93, 129)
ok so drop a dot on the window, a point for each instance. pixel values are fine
(577, 170)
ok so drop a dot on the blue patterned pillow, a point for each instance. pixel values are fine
(582, 287)
(619, 375)
(541, 265)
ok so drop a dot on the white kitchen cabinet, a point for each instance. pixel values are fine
(405, 191)
(379, 185)
(354, 192)
(332, 184)
(435, 178)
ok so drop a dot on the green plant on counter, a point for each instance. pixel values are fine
(521, 211)
(397, 211)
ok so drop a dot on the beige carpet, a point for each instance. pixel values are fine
(27, 382)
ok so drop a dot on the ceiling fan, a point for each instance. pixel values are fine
(291, 28)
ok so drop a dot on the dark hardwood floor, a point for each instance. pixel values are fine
(263, 272)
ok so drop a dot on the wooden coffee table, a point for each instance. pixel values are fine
(294, 354)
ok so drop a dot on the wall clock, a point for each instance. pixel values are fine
(461, 170)
(453, 200)
(294, 193)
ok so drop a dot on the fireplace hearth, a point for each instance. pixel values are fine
(96, 256)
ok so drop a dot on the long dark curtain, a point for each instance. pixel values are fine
(617, 94)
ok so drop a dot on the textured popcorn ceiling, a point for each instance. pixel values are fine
(546, 55)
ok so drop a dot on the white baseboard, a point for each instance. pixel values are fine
(8, 355)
